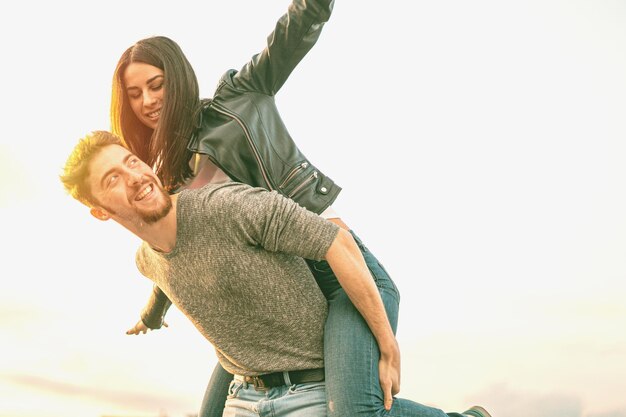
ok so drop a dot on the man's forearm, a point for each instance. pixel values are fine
(348, 265)
(153, 313)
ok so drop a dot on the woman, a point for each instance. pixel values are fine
(239, 135)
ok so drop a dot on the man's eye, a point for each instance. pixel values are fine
(112, 179)
(132, 161)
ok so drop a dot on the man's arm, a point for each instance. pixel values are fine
(140, 327)
(279, 224)
(153, 314)
(348, 265)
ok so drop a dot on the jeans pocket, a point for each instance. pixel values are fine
(233, 389)
(307, 387)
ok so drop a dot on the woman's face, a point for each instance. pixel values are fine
(144, 88)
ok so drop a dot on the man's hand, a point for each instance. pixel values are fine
(347, 262)
(141, 328)
(389, 374)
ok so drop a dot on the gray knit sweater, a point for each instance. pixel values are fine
(237, 273)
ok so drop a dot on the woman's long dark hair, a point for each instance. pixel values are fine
(165, 148)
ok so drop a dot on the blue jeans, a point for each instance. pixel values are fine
(351, 353)
(298, 400)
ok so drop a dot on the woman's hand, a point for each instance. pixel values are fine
(140, 327)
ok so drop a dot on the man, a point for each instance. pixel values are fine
(230, 257)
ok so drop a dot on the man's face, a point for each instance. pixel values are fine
(126, 188)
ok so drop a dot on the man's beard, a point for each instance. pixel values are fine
(140, 216)
(153, 216)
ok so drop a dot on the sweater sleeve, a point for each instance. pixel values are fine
(269, 220)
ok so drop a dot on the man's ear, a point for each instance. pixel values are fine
(100, 214)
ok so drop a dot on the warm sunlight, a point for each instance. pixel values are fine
(481, 152)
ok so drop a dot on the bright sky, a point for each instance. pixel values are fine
(481, 148)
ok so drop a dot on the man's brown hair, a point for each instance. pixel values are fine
(77, 166)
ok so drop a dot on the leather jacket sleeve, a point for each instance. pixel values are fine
(153, 313)
(294, 35)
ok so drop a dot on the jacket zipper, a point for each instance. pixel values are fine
(303, 183)
(254, 150)
(293, 173)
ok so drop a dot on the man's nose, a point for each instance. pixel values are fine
(133, 178)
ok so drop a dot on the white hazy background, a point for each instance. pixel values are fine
(481, 147)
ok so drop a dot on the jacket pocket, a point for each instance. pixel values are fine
(294, 174)
(297, 179)
(308, 180)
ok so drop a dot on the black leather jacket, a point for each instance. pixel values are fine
(241, 131)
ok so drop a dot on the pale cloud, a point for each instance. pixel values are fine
(614, 413)
(15, 182)
(17, 316)
(506, 400)
(503, 400)
(111, 397)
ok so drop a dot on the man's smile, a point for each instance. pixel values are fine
(145, 192)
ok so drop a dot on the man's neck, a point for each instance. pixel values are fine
(161, 235)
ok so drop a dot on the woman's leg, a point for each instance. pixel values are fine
(216, 392)
(351, 353)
